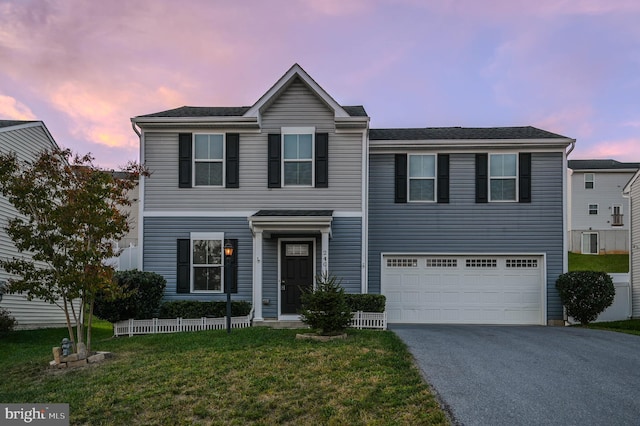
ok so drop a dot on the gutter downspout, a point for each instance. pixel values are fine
(133, 126)
(565, 253)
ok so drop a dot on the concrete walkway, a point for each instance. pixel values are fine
(500, 375)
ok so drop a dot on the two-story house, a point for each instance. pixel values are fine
(598, 213)
(26, 139)
(453, 225)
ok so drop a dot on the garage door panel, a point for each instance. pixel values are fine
(464, 289)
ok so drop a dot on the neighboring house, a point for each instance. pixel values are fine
(129, 252)
(598, 213)
(27, 139)
(632, 191)
(452, 225)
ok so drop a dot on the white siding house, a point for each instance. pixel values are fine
(26, 139)
(632, 192)
(598, 213)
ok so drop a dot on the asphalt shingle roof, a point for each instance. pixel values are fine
(9, 123)
(440, 133)
(600, 164)
(191, 111)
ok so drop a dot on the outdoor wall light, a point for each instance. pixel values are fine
(228, 250)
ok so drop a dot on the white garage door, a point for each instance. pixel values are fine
(463, 289)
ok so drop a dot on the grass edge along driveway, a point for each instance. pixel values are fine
(253, 376)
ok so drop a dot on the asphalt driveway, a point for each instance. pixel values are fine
(501, 375)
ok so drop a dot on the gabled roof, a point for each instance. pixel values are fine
(11, 123)
(626, 191)
(191, 111)
(596, 164)
(458, 133)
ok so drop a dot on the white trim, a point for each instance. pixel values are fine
(434, 179)
(584, 176)
(141, 199)
(516, 177)
(364, 274)
(589, 209)
(298, 131)
(566, 209)
(582, 235)
(257, 275)
(289, 317)
(446, 146)
(223, 160)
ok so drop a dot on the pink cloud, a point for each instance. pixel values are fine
(622, 150)
(11, 108)
(571, 121)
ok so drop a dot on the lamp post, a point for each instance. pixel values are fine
(228, 254)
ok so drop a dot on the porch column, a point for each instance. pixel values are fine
(257, 276)
(325, 252)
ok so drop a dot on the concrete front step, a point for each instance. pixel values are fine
(279, 324)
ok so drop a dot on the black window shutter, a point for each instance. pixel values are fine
(322, 160)
(232, 161)
(443, 178)
(524, 183)
(482, 178)
(183, 272)
(401, 178)
(274, 161)
(184, 160)
(234, 265)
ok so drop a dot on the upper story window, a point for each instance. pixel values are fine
(589, 180)
(422, 177)
(593, 209)
(207, 262)
(503, 177)
(208, 159)
(297, 158)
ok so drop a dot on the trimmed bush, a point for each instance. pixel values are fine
(366, 302)
(140, 298)
(198, 309)
(7, 322)
(585, 294)
(325, 309)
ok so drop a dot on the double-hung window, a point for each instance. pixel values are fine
(593, 209)
(208, 159)
(422, 177)
(297, 146)
(207, 262)
(589, 180)
(503, 177)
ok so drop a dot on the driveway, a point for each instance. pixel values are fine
(501, 375)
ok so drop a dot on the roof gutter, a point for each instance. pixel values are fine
(573, 145)
(133, 126)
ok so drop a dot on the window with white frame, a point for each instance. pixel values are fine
(503, 177)
(593, 209)
(589, 180)
(297, 148)
(208, 159)
(590, 243)
(422, 177)
(207, 262)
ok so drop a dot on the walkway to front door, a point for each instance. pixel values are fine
(296, 272)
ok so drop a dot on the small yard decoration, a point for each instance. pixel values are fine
(325, 309)
(585, 294)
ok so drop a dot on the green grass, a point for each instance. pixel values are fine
(613, 263)
(254, 376)
(631, 326)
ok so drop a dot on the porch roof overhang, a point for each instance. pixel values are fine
(291, 221)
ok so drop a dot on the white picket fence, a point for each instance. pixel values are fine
(157, 325)
(376, 320)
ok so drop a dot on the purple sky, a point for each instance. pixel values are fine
(86, 67)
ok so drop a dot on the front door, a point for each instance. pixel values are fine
(296, 273)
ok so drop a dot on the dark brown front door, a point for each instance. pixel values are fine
(296, 272)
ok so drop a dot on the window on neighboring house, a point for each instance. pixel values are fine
(503, 177)
(589, 243)
(298, 159)
(207, 262)
(616, 215)
(589, 180)
(422, 177)
(593, 209)
(208, 159)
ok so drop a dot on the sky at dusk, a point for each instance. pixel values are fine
(86, 67)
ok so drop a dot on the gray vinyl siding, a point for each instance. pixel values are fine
(161, 233)
(26, 142)
(635, 247)
(160, 251)
(463, 226)
(296, 107)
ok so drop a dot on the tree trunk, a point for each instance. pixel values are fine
(91, 303)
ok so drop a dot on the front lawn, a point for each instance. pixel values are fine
(612, 263)
(254, 376)
(631, 326)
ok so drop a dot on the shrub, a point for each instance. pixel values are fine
(585, 294)
(198, 309)
(366, 302)
(7, 322)
(325, 308)
(140, 298)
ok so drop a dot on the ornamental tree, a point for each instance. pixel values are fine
(69, 218)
